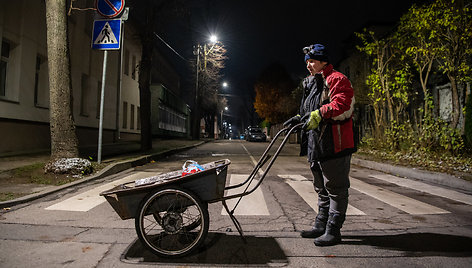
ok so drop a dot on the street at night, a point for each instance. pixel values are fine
(392, 221)
(218, 133)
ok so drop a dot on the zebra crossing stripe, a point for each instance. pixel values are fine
(255, 204)
(254, 162)
(90, 199)
(252, 204)
(426, 188)
(398, 201)
(304, 188)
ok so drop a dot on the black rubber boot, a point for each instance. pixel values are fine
(319, 227)
(332, 235)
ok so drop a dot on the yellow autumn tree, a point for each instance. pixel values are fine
(273, 100)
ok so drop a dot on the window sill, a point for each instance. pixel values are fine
(41, 107)
(4, 99)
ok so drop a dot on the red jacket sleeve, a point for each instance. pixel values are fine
(341, 96)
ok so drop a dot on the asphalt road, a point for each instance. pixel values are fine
(391, 222)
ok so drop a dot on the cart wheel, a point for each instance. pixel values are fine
(172, 222)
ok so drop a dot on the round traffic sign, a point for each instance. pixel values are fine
(109, 8)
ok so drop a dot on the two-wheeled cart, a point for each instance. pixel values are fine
(171, 210)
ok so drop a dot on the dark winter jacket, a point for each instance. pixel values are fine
(331, 93)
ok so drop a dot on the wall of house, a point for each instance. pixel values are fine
(25, 102)
(129, 120)
(170, 116)
(19, 30)
(24, 98)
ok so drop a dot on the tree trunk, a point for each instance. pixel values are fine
(64, 142)
(389, 105)
(145, 67)
(196, 111)
(145, 100)
(456, 109)
(196, 118)
(145, 82)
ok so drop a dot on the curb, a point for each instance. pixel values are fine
(107, 171)
(416, 174)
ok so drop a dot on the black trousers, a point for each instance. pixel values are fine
(331, 182)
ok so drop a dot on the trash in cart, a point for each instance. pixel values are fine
(191, 167)
(157, 179)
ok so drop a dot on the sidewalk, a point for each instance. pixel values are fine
(122, 156)
(116, 157)
(455, 182)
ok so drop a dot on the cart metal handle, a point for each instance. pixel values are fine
(264, 158)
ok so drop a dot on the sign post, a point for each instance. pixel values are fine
(106, 36)
(102, 100)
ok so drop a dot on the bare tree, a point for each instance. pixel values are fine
(211, 58)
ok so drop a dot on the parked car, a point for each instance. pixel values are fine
(255, 134)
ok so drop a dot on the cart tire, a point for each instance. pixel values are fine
(172, 222)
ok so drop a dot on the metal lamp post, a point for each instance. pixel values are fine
(222, 111)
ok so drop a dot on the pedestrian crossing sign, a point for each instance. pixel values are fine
(106, 34)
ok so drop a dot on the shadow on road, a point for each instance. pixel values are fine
(218, 249)
(417, 244)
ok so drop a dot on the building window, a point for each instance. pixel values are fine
(125, 115)
(138, 123)
(41, 83)
(36, 79)
(131, 121)
(5, 56)
(170, 119)
(126, 71)
(84, 95)
(133, 71)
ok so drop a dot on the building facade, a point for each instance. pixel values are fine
(24, 87)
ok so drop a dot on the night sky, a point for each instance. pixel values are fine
(258, 33)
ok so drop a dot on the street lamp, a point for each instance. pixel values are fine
(213, 39)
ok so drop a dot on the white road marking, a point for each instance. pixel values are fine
(304, 188)
(260, 171)
(87, 200)
(255, 204)
(426, 188)
(252, 204)
(398, 201)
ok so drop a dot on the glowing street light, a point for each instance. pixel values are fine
(225, 84)
(213, 39)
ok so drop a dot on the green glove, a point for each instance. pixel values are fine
(293, 121)
(314, 120)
